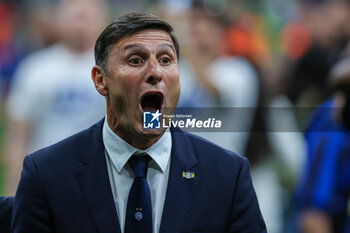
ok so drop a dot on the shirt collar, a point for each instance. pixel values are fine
(120, 151)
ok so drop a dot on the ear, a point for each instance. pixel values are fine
(99, 79)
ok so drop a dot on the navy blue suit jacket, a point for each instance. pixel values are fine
(66, 188)
(6, 204)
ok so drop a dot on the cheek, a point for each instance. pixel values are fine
(176, 85)
(130, 78)
(172, 74)
(173, 85)
(123, 82)
(115, 98)
(126, 93)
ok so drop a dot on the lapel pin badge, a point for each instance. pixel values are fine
(188, 175)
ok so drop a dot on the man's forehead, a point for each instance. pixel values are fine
(156, 37)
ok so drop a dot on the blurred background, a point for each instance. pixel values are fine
(246, 54)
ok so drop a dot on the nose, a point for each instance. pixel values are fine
(154, 74)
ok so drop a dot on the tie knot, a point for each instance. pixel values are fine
(139, 164)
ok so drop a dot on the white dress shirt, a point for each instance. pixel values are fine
(121, 176)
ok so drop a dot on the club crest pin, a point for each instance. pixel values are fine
(188, 175)
(138, 214)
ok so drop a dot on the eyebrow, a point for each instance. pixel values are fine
(143, 47)
(166, 45)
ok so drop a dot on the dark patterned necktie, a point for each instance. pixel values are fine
(139, 210)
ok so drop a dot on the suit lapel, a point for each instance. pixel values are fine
(95, 185)
(180, 191)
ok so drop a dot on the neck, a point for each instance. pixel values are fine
(138, 140)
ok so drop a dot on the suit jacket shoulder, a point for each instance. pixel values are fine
(59, 192)
(218, 196)
(201, 144)
(218, 159)
(85, 142)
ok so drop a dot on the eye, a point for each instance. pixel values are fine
(165, 61)
(135, 61)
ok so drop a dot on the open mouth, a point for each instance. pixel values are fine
(152, 102)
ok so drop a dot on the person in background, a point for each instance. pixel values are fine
(323, 189)
(327, 38)
(222, 81)
(52, 95)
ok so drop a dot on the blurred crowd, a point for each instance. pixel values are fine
(287, 61)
